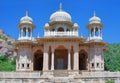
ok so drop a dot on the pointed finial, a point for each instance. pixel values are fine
(60, 6)
(26, 13)
(38, 35)
(94, 13)
(81, 35)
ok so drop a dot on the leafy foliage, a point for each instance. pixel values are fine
(6, 64)
(110, 82)
(3, 37)
(3, 58)
(112, 58)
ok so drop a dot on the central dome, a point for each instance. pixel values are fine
(60, 16)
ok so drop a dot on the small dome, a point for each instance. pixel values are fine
(60, 16)
(94, 19)
(75, 25)
(46, 26)
(26, 19)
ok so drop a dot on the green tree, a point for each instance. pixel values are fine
(119, 67)
(6, 64)
(112, 57)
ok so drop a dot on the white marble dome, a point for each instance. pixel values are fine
(94, 19)
(26, 19)
(60, 16)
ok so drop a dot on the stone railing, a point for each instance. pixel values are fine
(26, 38)
(95, 38)
(59, 76)
(60, 73)
(21, 74)
(61, 34)
(100, 74)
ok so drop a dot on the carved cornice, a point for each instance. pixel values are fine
(96, 44)
(43, 40)
(28, 24)
(95, 24)
(62, 22)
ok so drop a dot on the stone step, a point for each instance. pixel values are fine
(60, 74)
(61, 80)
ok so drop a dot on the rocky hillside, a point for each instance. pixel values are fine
(6, 47)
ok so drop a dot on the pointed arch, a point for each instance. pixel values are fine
(83, 58)
(37, 59)
(60, 29)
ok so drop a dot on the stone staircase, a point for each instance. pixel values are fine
(60, 76)
(60, 73)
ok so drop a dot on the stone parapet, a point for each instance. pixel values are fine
(50, 77)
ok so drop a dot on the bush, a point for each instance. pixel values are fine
(6, 64)
(110, 81)
(3, 58)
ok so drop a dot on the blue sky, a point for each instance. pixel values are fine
(81, 10)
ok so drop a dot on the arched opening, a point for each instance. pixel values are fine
(68, 30)
(53, 29)
(29, 31)
(82, 60)
(92, 32)
(96, 32)
(60, 29)
(24, 31)
(61, 58)
(38, 60)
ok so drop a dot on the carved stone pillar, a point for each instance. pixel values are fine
(90, 33)
(99, 32)
(69, 60)
(52, 60)
(76, 59)
(45, 58)
(26, 31)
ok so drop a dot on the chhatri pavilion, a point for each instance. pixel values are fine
(61, 48)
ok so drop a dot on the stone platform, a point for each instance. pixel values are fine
(59, 77)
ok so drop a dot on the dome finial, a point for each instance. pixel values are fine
(94, 13)
(94, 19)
(38, 35)
(26, 13)
(60, 6)
(81, 35)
